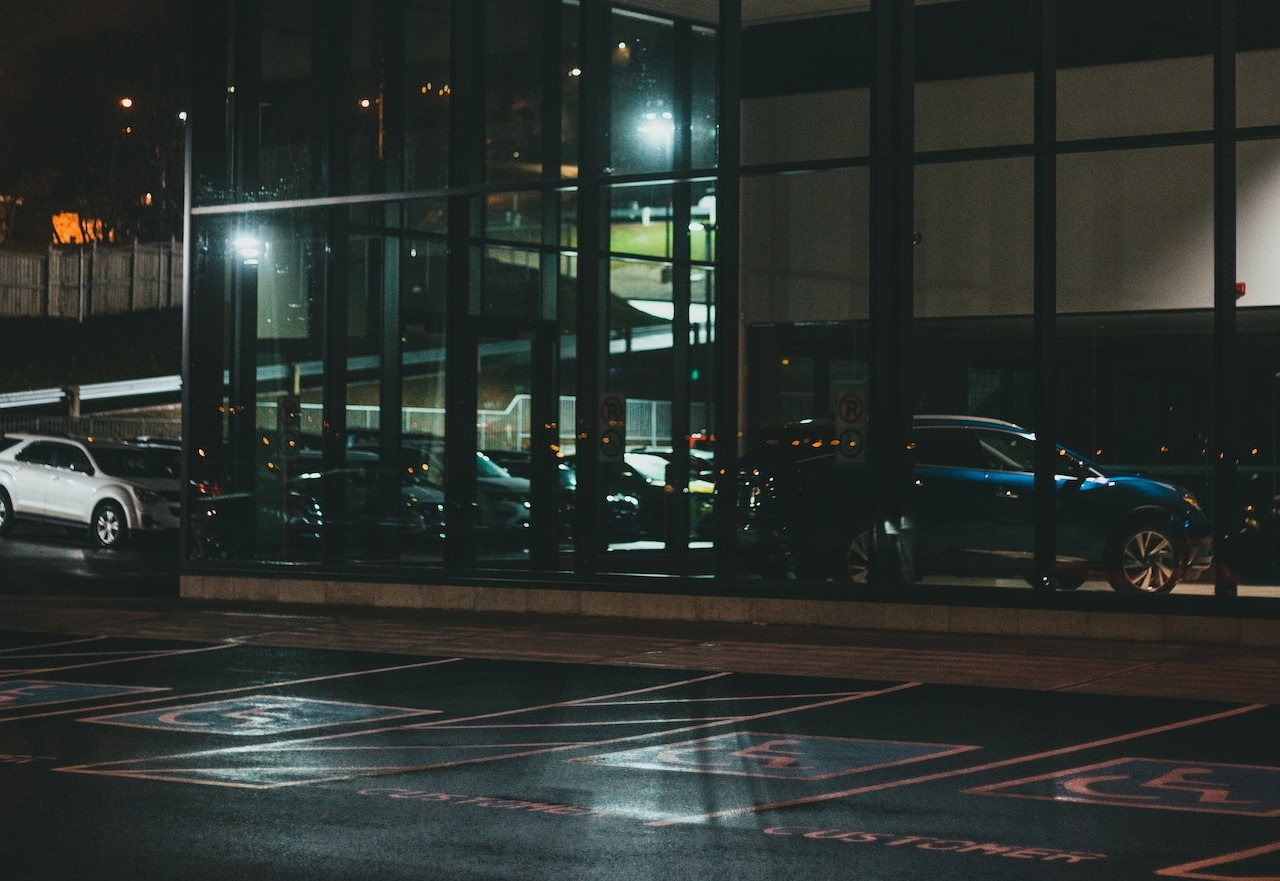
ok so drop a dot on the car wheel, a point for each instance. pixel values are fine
(1145, 559)
(6, 513)
(108, 529)
(858, 557)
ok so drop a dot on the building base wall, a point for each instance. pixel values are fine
(850, 614)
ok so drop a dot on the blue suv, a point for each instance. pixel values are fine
(803, 513)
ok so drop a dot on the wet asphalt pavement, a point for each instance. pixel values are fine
(143, 737)
(159, 758)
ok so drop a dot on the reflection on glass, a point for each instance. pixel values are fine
(288, 135)
(972, 338)
(642, 220)
(427, 93)
(642, 94)
(513, 91)
(513, 217)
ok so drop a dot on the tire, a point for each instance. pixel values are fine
(108, 528)
(1145, 559)
(6, 513)
(857, 557)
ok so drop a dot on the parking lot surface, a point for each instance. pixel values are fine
(162, 740)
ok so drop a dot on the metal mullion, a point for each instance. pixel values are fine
(1226, 358)
(1045, 329)
(204, 287)
(593, 289)
(892, 286)
(336, 294)
(545, 432)
(391, 94)
(727, 360)
(681, 288)
(466, 162)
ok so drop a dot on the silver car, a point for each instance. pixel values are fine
(115, 489)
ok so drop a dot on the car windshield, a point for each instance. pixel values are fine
(120, 462)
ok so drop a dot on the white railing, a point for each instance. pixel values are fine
(648, 421)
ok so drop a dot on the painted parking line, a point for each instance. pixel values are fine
(15, 693)
(105, 659)
(257, 715)
(48, 645)
(341, 756)
(960, 772)
(1155, 784)
(1254, 864)
(776, 756)
(259, 686)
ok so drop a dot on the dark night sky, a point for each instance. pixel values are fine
(63, 67)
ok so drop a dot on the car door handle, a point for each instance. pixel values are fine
(1006, 494)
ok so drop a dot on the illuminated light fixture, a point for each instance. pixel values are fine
(366, 103)
(126, 102)
(576, 71)
(248, 247)
(622, 44)
(658, 132)
(182, 115)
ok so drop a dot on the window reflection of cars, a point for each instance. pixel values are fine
(115, 489)
(974, 488)
(637, 495)
(623, 510)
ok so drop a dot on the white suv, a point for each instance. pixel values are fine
(114, 488)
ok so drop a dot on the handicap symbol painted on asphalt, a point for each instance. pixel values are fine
(16, 693)
(257, 715)
(784, 756)
(1163, 784)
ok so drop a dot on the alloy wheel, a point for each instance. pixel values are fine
(107, 527)
(858, 557)
(1148, 561)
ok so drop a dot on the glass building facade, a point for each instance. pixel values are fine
(833, 299)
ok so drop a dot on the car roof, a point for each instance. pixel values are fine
(85, 441)
(967, 422)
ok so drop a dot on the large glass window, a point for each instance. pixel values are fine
(1135, 68)
(1135, 296)
(642, 93)
(513, 90)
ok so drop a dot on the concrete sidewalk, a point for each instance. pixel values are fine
(1226, 673)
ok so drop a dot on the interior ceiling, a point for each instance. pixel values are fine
(753, 11)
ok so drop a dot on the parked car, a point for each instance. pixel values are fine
(115, 489)
(803, 513)
(296, 504)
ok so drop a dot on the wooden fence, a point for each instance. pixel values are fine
(83, 281)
